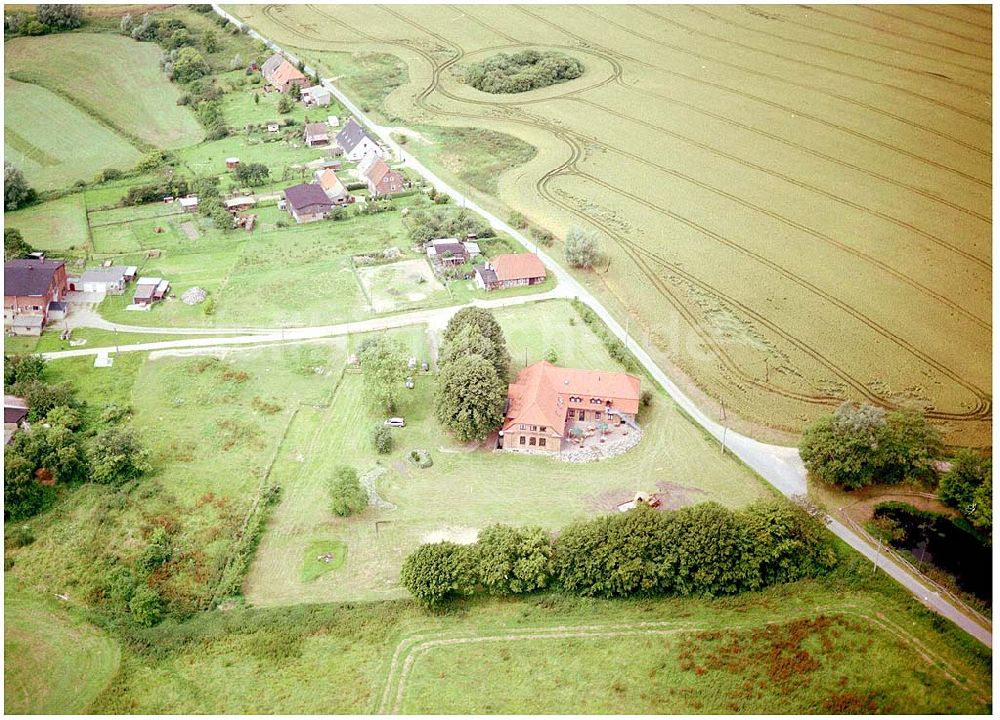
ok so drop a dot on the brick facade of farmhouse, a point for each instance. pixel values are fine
(29, 287)
(546, 402)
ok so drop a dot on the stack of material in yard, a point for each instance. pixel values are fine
(194, 296)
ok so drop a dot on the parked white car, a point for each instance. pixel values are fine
(396, 422)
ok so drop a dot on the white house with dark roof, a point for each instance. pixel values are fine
(356, 142)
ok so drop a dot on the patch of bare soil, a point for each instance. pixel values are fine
(190, 230)
(861, 510)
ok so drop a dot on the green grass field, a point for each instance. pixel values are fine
(93, 69)
(53, 142)
(750, 171)
(55, 663)
(467, 488)
(640, 656)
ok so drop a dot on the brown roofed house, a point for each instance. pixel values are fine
(382, 180)
(29, 288)
(281, 74)
(317, 134)
(512, 270)
(307, 202)
(546, 405)
(332, 186)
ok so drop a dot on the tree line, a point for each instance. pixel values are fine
(705, 549)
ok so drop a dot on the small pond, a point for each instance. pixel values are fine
(940, 541)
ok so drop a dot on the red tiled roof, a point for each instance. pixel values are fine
(517, 266)
(285, 72)
(329, 181)
(542, 393)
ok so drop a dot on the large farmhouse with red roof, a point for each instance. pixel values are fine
(547, 404)
(512, 270)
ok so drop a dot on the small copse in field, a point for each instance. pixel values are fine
(519, 72)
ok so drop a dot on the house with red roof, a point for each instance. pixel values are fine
(281, 74)
(382, 180)
(547, 404)
(511, 270)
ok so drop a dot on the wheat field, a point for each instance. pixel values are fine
(795, 201)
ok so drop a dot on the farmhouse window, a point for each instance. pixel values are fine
(522, 439)
(522, 427)
(531, 441)
(597, 415)
(541, 442)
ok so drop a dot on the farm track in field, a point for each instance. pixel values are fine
(410, 648)
(982, 410)
(645, 259)
(869, 27)
(964, 38)
(823, 48)
(811, 88)
(823, 68)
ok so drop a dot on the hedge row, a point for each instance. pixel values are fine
(706, 549)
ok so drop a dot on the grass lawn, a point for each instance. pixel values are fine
(466, 489)
(57, 226)
(212, 426)
(506, 656)
(94, 70)
(241, 110)
(55, 663)
(53, 141)
(321, 557)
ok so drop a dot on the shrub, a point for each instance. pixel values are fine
(582, 247)
(861, 445)
(14, 246)
(21, 368)
(437, 572)
(108, 174)
(21, 536)
(968, 487)
(251, 174)
(347, 497)
(285, 105)
(509, 560)
(146, 606)
(543, 237)
(646, 399)
(23, 496)
(381, 439)
(42, 397)
(118, 457)
(551, 355)
(516, 220)
(16, 191)
(158, 551)
(60, 17)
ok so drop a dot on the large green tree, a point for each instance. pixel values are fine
(14, 246)
(486, 324)
(55, 453)
(968, 487)
(251, 173)
(582, 247)
(16, 191)
(470, 397)
(863, 445)
(510, 560)
(383, 364)
(437, 572)
(347, 497)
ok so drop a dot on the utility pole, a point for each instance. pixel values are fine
(628, 318)
(767, 372)
(724, 431)
(723, 410)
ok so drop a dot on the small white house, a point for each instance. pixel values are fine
(273, 127)
(316, 95)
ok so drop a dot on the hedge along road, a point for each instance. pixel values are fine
(781, 466)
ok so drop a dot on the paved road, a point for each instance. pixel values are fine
(781, 466)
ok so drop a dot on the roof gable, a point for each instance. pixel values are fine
(29, 277)
(351, 135)
(306, 194)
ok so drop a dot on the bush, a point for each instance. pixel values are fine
(60, 17)
(347, 497)
(522, 71)
(285, 105)
(108, 174)
(118, 457)
(158, 551)
(516, 220)
(509, 560)
(251, 174)
(861, 445)
(14, 246)
(16, 191)
(968, 487)
(543, 237)
(19, 537)
(437, 572)
(146, 606)
(23, 496)
(582, 247)
(21, 368)
(381, 439)
(646, 399)
(551, 355)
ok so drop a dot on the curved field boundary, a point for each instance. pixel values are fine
(983, 406)
(410, 649)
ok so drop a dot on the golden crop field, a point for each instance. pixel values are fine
(795, 201)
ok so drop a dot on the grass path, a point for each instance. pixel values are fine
(54, 662)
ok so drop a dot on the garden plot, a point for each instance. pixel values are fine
(399, 285)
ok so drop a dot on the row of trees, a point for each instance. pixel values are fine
(474, 366)
(522, 71)
(60, 448)
(46, 19)
(702, 550)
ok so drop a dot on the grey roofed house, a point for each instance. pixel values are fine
(28, 321)
(29, 277)
(489, 276)
(317, 132)
(351, 135)
(455, 249)
(115, 273)
(299, 197)
(271, 64)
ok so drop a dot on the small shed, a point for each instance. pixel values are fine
(273, 127)
(188, 204)
(27, 325)
(239, 203)
(232, 162)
